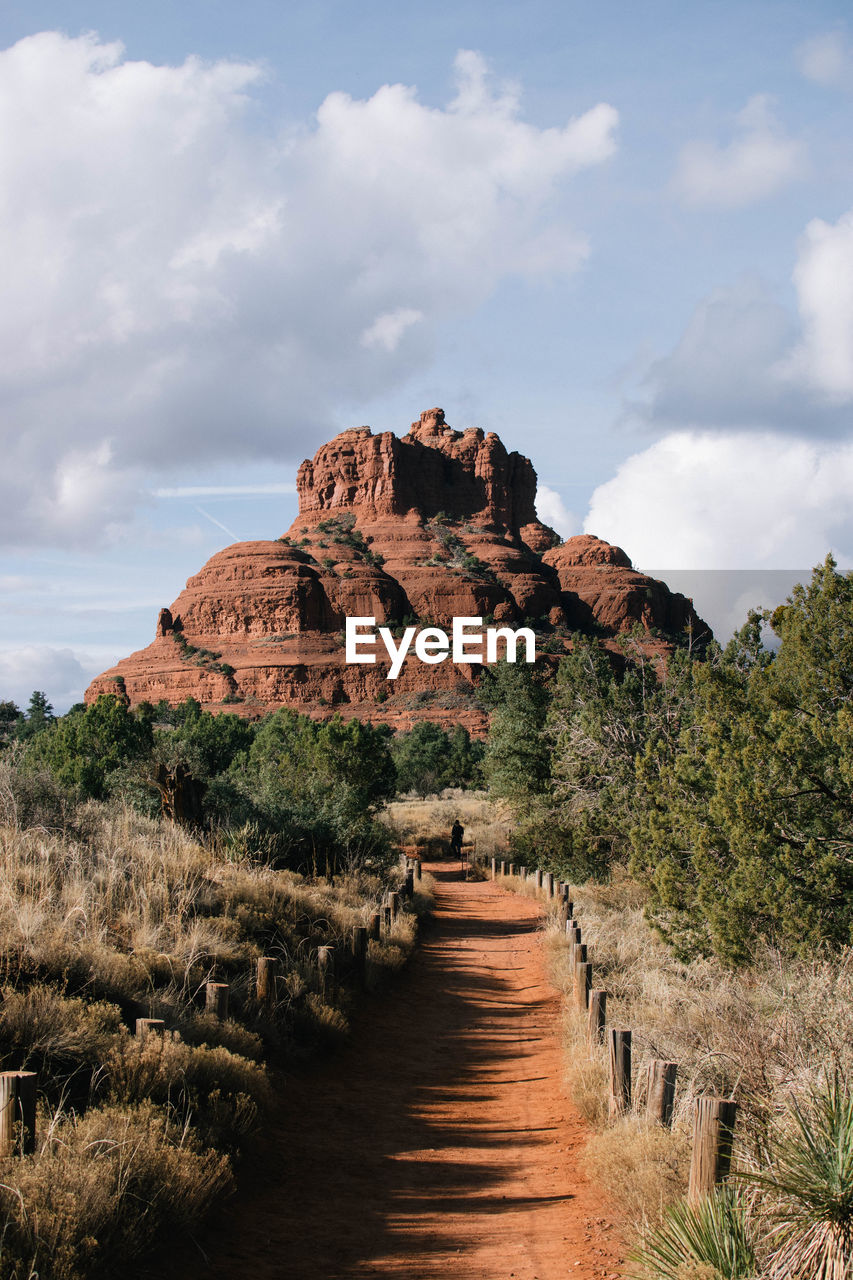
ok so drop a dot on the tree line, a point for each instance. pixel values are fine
(300, 793)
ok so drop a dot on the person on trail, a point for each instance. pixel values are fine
(457, 831)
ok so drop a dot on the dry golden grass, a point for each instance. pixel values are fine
(761, 1035)
(106, 916)
(427, 822)
(102, 1186)
(644, 1166)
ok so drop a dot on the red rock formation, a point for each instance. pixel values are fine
(434, 525)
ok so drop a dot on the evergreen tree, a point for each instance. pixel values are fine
(38, 716)
(84, 750)
(517, 763)
(11, 719)
(749, 829)
(421, 757)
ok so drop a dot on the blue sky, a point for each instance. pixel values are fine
(621, 236)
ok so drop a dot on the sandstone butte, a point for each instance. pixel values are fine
(418, 529)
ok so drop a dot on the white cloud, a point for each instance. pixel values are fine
(758, 160)
(59, 672)
(552, 511)
(745, 361)
(823, 278)
(704, 500)
(387, 329)
(827, 59)
(178, 285)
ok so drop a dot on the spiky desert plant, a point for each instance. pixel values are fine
(810, 1186)
(710, 1239)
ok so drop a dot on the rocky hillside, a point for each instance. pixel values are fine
(412, 530)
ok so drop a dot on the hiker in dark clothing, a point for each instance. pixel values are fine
(457, 831)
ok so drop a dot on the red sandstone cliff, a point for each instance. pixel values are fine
(433, 525)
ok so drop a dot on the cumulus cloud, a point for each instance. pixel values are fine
(387, 329)
(552, 511)
(179, 284)
(745, 361)
(827, 59)
(60, 673)
(705, 500)
(824, 281)
(758, 160)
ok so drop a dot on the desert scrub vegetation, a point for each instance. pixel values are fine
(777, 1036)
(108, 916)
(303, 794)
(721, 776)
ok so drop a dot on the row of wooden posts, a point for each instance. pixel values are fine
(18, 1088)
(714, 1122)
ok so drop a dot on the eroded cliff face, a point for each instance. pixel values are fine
(422, 528)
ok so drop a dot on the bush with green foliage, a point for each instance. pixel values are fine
(807, 1192)
(725, 776)
(745, 826)
(311, 790)
(85, 749)
(428, 758)
(709, 1240)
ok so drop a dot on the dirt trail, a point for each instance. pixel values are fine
(439, 1142)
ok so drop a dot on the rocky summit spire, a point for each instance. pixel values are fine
(466, 475)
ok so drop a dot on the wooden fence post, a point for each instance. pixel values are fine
(538, 877)
(216, 999)
(265, 984)
(583, 986)
(394, 904)
(620, 1072)
(713, 1132)
(597, 1017)
(577, 953)
(325, 956)
(17, 1107)
(660, 1094)
(512, 868)
(410, 883)
(388, 918)
(494, 868)
(418, 869)
(155, 1025)
(373, 929)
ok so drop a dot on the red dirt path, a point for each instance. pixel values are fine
(439, 1142)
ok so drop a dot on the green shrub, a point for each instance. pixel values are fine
(809, 1186)
(710, 1240)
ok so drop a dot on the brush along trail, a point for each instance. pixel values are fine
(439, 1141)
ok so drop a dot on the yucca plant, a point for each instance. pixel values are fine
(810, 1187)
(710, 1240)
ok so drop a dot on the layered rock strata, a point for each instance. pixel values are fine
(413, 530)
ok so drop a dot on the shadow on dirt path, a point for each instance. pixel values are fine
(438, 1142)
